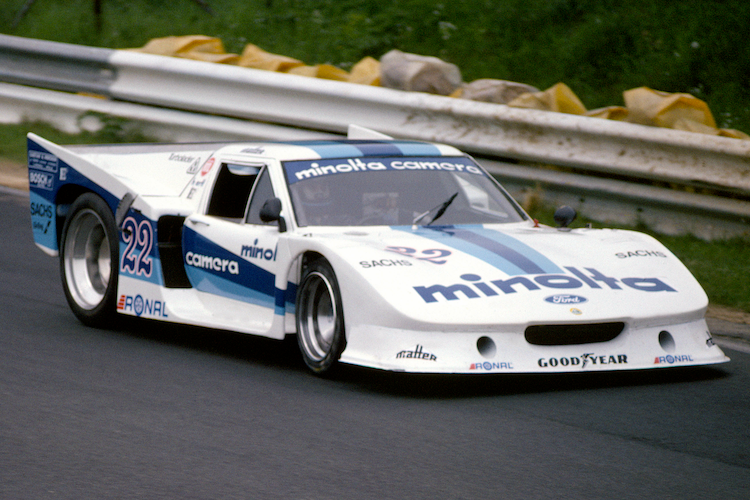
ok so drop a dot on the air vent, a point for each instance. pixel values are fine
(169, 236)
(573, 334)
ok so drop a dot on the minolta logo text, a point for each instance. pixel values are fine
(255, 252)
(474, 287)
(212, 263)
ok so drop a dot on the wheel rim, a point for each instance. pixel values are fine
(318, 316)
(87, 259)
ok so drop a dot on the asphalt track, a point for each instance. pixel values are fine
(152, 411)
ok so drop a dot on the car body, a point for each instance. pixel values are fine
(396, 255)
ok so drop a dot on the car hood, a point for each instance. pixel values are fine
(513, 274)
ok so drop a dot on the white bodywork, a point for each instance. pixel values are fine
(415, 298)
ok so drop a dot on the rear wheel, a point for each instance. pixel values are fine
(320, 317)
(89, 260)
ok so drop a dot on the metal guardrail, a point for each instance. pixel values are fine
(479, 128)
(201, 98)
(72, 113)
(58, 66)
(665, 210)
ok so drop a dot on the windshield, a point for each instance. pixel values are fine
(396, 191)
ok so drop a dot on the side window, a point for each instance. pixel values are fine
(232, 190)
(262, 192)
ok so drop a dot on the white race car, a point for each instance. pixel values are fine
(397, 255)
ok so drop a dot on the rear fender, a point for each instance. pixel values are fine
(57, 176)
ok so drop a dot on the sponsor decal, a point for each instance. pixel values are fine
(142, 307)
(213, 269)
(43, 220)
(212, 263)
(583, 360)
(417, 353)
(40, 160)
(255, 252)
(194, 161)
(139, 240)
(44, 210)
(194, 167)
(254, 150)
(207, 166)
(473, 286)
(566, 299)
(41, 226)
(710, 340)
(369, 264)
(640, 253)
(301, 170)
(490, 366)
(41, 216)
(509, 255)
(669, 359)
(434, 255)
(181, 158)
(41, 180)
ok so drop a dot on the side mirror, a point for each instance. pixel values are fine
(271, 211)
(564, 216)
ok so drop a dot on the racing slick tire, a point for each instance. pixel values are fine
(89, 262)
(320, 318)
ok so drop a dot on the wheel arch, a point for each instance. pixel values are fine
(297, 268)
(64, 198)
(320, 322)
(307, 258)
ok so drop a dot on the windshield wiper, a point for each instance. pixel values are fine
(440, 211)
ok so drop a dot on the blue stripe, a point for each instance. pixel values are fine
(280, 302)
(331, 149)
(370, 148)
(285, 299)
(356, 149)
(252, 284)
(493, 247)
(207, 281)
(418, 149)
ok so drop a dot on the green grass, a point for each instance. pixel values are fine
(598, 47)
(115, 130)
(721, 266)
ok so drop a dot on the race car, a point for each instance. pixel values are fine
(391, 254)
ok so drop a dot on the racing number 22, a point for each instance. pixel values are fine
(434, 255)
(139, 239)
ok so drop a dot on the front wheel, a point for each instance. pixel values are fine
(89, 260)
(320, 317)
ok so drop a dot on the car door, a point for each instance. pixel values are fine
(230, 255)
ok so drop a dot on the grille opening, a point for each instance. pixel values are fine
(573, 334)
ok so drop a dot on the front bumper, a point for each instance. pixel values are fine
(506, 350)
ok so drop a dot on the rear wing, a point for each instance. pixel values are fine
(57, 174)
